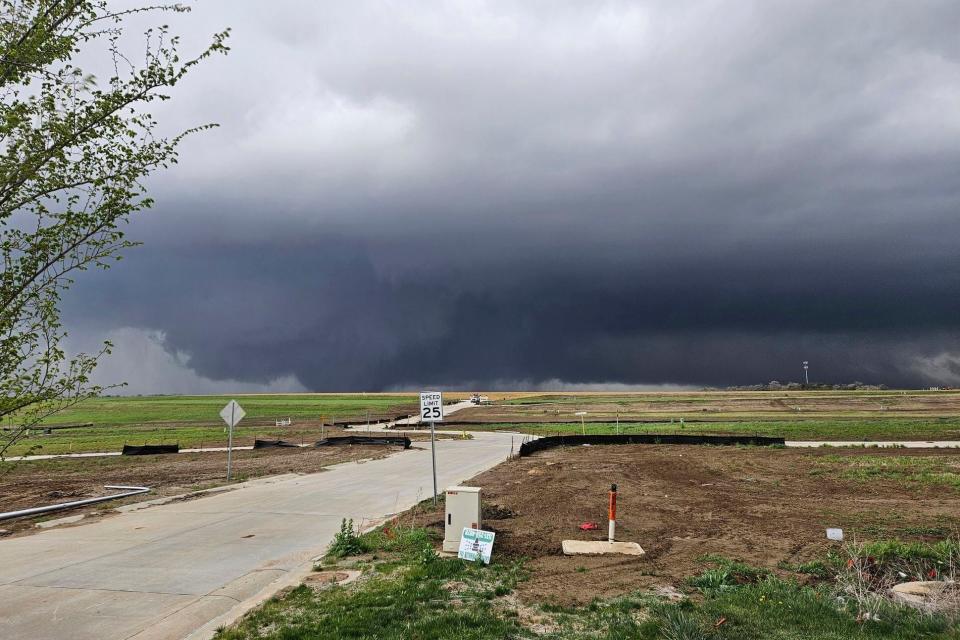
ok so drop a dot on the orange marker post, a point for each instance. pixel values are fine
(612, 512)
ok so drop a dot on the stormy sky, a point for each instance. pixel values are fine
(548, 194)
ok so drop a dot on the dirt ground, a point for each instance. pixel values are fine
(716, 406)
(759, 505)
(41, 482)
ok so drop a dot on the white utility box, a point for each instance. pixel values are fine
(463, 511)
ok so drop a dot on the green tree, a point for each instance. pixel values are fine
(74, 151)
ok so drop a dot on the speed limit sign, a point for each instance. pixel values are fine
(431, 406)
(431, 410)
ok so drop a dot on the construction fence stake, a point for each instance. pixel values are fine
(612, 513)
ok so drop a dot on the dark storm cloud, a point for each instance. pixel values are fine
(692, 193)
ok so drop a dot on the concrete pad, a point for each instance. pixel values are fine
(926, 594)
(594, 548)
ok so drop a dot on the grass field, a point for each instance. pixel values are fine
(837, 429)
(920, 470)
(796, 415)
(722, 406)
(137, 410)
(194, 421)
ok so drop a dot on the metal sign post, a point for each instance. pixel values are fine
(231, 414)
(431, 410)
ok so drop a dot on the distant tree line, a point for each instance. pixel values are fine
(775, 385)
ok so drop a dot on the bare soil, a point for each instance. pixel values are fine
(760, 505)
(41, 482)
(719, 405)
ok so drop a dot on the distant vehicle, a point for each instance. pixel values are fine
(476, 398)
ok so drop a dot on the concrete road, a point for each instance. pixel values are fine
(182, 569)
(905, 444)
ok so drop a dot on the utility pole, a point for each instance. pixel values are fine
(806, 376)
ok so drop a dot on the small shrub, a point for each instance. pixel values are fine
(346, 542)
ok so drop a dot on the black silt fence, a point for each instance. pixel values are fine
(532, 446)
(349, 440)
(269, 444)
(149, 449)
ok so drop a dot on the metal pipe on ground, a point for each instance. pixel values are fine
(130, 491)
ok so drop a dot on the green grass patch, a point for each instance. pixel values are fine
(194, 421)
(416, 595)
(413, 593)
(778, 609)
(817, 568)
(391, 538)
(146, 409)
(413, 604)
(726, 574)
(940, 471)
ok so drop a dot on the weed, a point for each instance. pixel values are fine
(727, 574)
(346, 542)
(678, 624)
(816, 568)
(395, 537)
